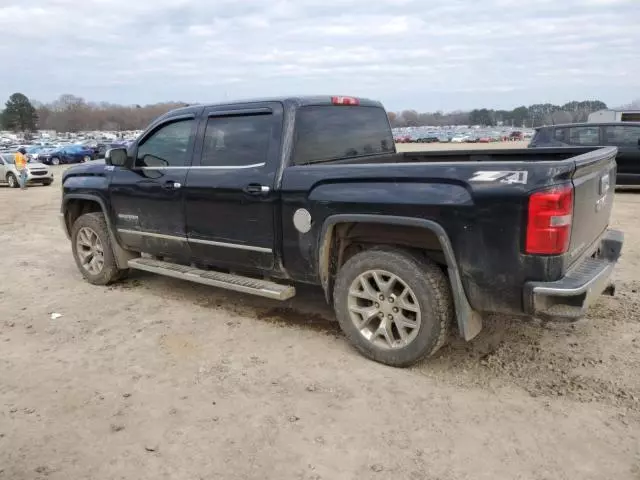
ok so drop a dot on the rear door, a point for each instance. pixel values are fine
(627, 139)
(230, 200)
(147, 199)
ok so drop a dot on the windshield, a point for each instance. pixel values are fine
(334, 132)
(9, 158)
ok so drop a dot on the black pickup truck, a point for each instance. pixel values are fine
(258, 196)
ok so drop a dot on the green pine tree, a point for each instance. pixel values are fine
(19, 115)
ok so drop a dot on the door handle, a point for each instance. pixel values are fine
(256, 189)
(171, 185)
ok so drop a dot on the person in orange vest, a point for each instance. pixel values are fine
(21, 167)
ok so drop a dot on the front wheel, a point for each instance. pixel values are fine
(91, 246)
(55, 161)
(86, 158)
(12, 181)
(394, 306)
(46, 183)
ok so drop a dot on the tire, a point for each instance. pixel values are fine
(86, 158)
(46, 183)
(431, 294)
(55, 161)
(12, 181)
(109, 271)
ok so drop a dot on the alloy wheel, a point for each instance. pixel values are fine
(90, 250)
(384, 309)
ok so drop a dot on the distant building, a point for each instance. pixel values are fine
(614, 116)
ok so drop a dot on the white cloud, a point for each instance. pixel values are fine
(408, 53)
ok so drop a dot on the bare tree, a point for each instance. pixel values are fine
(70, 113)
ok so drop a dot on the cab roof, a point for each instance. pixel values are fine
(295, 101)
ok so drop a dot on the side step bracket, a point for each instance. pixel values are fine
(262, 288)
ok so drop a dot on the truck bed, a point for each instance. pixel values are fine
(479, 197)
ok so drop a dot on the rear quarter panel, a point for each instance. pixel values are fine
(484, 220)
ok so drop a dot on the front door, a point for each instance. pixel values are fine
(230, 199)
(148, 198)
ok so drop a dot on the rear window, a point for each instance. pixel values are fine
(584, 135)
(334, 132)
(542, 136)
(560, 134)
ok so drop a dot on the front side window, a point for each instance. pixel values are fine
(622, 136)
(584, 135)
(237, 141)
(167, 146)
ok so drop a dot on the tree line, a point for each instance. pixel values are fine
(70, 113)
(531, 116)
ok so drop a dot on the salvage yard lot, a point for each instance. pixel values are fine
(157, 378)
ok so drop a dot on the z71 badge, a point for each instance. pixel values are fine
(500, 177)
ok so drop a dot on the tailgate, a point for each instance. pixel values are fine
(594, 181)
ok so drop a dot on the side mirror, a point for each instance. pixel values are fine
(116, 157)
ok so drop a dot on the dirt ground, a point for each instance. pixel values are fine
(157, 378)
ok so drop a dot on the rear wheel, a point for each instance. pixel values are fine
(394, 307)
(91, 246)
(12, 181)
(86, 158)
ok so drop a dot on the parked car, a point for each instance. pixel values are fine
(402, 139)
(33, 151)
(402, 244)
(625, 136)
(36, 172)
(516, 135)
(429, 138)
(66, 154)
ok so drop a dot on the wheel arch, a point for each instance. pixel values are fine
(469, 321)
(75, 205)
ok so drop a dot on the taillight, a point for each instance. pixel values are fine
(345, 101)
(549, 224)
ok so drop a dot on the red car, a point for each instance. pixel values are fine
(402, 139)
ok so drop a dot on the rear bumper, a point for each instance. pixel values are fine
(570, 297)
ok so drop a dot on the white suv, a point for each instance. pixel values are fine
(36, 172)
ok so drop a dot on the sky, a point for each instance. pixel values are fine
(422, 54)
